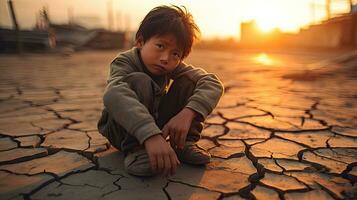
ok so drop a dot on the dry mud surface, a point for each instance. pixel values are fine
(286, 128)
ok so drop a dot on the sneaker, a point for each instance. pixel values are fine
(137, 163)
(192, 154)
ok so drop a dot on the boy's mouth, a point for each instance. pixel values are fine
(160, 68)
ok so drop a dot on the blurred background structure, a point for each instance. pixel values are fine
(44, 25)
(46, 35)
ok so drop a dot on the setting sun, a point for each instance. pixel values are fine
(278, 14)
(266, 17)
(266, 25)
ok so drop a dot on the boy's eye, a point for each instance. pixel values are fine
(160, 46)
(177, 55)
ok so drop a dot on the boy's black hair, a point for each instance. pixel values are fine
(170, 20)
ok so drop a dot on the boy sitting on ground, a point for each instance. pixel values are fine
(152, 95)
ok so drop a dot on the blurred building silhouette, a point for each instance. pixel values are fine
(30, 39)
(71, 36)
(76, 37)
(336, 32)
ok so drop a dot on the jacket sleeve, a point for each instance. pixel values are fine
(208, 90)
(123, 104)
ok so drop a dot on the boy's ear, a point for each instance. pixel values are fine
(139, 42)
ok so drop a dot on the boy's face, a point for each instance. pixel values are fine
(160, 54)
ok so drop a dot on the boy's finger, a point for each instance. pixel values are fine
(153, 163)
(160, 163)
(177, 139)
(172, 138)
(182, 140)
(173, 163)
(168, 165)
(177, 160)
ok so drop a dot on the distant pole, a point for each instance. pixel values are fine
(70, 15)
(110, 15)
(118, 21)
(351, 5)
(16, 26)
(127, 22)
(328, 10)
(312, 10)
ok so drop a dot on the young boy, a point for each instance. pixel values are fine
(153, 95)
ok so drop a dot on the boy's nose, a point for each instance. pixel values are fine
(164, 58)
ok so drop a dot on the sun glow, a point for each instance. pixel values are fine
(263, 59)
(266, 25)
(276, 14)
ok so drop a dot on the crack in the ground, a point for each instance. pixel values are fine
(214, 139)
(165, 191)
(88, 141)
(57, 179)
(256, 177)
(302, 121)
(282, 130)
(345, 174)
(306, 185)
(116, 184)
(192, 185)
(56, 113)
(327, 141)
(281, 167)
(311, 116)
(295, 126)
(342, 135)
(73, 185)
(260, 109)
(29, 175)
(25, 158)
(333, 195)
(324, 169)
(282, 192)
(338, 153)
(293, 141)
(8, 150)
(221, 114)
(329, 158)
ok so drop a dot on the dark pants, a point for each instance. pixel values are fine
(161, 107)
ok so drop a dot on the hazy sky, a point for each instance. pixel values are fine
(216, 18)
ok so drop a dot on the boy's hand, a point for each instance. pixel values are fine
(178, 127)
(162, 157)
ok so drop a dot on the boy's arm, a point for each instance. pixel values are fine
(177, 127)
(207, 92)
(123, 104)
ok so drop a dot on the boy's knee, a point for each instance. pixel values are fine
(137, 78)
(145, 88)
(184, 84)
(141, 83)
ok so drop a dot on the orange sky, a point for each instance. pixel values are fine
(216, 18)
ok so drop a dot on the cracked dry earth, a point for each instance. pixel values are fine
(276, 133)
